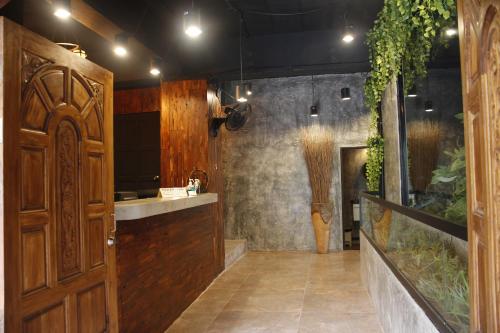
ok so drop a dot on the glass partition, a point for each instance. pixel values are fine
(435, 135)
(432, 261)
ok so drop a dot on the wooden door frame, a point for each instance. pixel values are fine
(479, 33)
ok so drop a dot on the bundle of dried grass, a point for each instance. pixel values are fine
(317, 143)
(423, 145)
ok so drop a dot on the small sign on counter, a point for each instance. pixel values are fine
(172, 192)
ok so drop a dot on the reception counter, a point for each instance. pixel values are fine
(166, 258)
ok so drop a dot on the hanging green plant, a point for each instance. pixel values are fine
(401, 42)
(375, 159)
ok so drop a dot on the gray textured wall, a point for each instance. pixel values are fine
(267, 192)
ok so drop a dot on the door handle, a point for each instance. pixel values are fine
(112, 234)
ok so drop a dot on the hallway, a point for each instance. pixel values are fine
(284, 292)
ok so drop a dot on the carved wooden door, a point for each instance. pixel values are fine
(479, 25)
(60, 270)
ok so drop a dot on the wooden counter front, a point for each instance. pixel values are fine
(164, 262)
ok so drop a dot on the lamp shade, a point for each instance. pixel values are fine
(428, 107)
(240, 97)
(314, 111)
(345, 94)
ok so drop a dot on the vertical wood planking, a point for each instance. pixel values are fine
(184, 130)
(136, 100)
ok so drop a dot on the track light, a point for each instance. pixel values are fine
(428, 107)
(62, 9)
(155, 67)
(120, 47)
(345, 94)
(192, 23)
(239, 96)
(314, 111)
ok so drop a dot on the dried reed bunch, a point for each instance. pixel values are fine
(317, 144)
(423, 150)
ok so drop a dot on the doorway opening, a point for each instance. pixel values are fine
(353, 180)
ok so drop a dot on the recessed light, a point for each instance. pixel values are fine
(154, 71)
(348, 38)
(62, 13)
(120, 51)
(450, 32)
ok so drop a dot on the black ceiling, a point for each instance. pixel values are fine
(274, 44)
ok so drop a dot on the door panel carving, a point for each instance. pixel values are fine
(67, 157)
(58, 122)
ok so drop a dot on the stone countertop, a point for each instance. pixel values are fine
(141, 208)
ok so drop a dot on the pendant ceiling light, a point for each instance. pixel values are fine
(428, 107)
(348, 35)
(120, 46)
(192, 22)
(242, 89)
(62, 9)
(345, 94)
(314, 107)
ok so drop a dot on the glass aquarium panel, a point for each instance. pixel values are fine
(434, 262)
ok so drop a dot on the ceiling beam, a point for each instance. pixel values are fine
(101, 25)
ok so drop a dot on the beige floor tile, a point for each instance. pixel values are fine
(191, 322)
(212, 301)
(229, 280)
(266, 300)
(324, 322)
(337, 301)
(255, 322)
(277, 280)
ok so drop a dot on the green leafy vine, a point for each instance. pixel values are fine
(400, 43)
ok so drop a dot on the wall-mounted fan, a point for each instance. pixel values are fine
(236, 117)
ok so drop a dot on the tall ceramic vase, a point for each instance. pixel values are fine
(322, 216)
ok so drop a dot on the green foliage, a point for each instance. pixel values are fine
(374, 161)
(401, 42)
(451, 179)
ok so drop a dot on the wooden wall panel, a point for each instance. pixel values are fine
(137, 100)
(164, 263)
(184, 130)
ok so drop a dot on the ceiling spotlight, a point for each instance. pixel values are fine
(450, 32)
(155, 67)
(314, 111)
(345, 94)
(192, 23)
(412, 93)
(428, 106)
(239, 96)
(120, 48)
(62, 9)
(348, 38)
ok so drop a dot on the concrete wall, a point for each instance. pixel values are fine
(392, 153)
(396, 309)
(267, 192)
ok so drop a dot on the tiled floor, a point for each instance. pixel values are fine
(284, 292)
